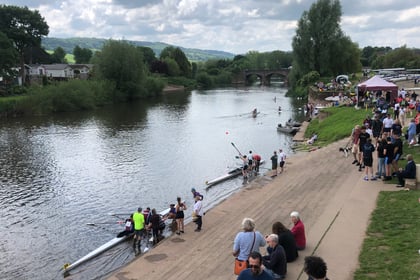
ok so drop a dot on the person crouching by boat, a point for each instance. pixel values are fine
(196, 193)
(129, 227)
(180, 207)
(198, 211)
(138, 219)
(171, 216)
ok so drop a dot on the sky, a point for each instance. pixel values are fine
(235, 26)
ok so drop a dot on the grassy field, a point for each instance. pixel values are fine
(391, 247)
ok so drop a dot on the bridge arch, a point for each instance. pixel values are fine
(266, 75)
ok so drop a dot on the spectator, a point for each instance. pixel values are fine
(275, 263)
(315, 268)
(298, 231)
(286, 240)
(409, 171)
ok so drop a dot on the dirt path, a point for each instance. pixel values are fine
(334, 202)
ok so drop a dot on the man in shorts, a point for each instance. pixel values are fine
(355, 147)
(282, 157)
(138, 219)
(274, 160)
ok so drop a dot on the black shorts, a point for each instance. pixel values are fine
(179, 215)
(281, 163)
(368, 162)
(245, 167)
(387, 129)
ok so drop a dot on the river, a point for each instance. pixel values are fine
(61, 172)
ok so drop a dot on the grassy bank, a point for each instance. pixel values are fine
(391, 248)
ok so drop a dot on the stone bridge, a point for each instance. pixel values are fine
(265, 75)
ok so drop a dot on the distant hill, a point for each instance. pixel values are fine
(68, 44)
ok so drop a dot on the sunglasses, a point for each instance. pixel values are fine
(254, 266)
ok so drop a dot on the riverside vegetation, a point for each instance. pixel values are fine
(391, 247)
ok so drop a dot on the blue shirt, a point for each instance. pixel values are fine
(247, 275)
(243, 243)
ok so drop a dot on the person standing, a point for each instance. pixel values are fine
(398, 151)
(254, 270)
(274, 160)
(298, 230)
(245, 166)
(315, 268)
(389, 156)
(376, 129)
(354, 140)
(412, 133)
(257, 162)
(154, 225)
(198, 210)
(381, 158)
(250, 161)
(247, 241)
(387, 125)
(409, 171)
(179, 216)
(282, 158)
(138, 219)
(368, 150)
(363, 136)
(275, 263)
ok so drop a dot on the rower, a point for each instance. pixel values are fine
(129, 227)
(256, 160)
(245, 166)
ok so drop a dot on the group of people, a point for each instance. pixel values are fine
(251, 163)
(386, 133)
(283, 246)
(277, 160)
(143, 222)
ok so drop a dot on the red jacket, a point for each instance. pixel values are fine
(298, 231)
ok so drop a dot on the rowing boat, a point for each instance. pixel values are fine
(113, 242)
(97, 251)
(287, 129)
(231, 174)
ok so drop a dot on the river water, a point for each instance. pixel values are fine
(59, 173)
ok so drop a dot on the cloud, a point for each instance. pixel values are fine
(230, 25)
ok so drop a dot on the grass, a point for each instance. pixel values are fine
(391, 248)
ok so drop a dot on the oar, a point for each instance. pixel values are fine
(105, 223)
(236, 149)
(120, 214)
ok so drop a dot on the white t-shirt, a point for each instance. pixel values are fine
(282, 156)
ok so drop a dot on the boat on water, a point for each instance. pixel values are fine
(293, 123)
(231, 174)
(113, 242)
(287, 129)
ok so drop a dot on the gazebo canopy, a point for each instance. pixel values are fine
(377, 83)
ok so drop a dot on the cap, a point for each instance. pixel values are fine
(192, 190)
(139, 209)
(172, 205)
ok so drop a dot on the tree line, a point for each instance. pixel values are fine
(319, 49)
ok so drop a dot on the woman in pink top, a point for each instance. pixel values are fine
(298, 231)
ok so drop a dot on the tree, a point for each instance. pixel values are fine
(320, 45)
(179, 57)
(59, 55)
(82, 55)
(148, 56)
(8, 56)
(122, 63)
(24, 27)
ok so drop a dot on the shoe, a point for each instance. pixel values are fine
(358, 164)
(178, 233)
(197, 229)
(363, 166)
(360, 168)
(399, 186)
(366, 178)
(354, 161)
(182, 231)
(373, 179)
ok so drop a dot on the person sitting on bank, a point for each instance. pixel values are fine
(409, 172)
(254, 270)
(286, 240)
(275, 263)
(298, 231)
(315, 268)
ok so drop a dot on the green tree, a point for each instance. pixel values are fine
(82, 55)
(8, 56)
(59, 55)
(319, 43)
(24, 27)
(123, 64)
(149, 56)
(179, 57)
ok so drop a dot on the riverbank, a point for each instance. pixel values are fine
(334, 202)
